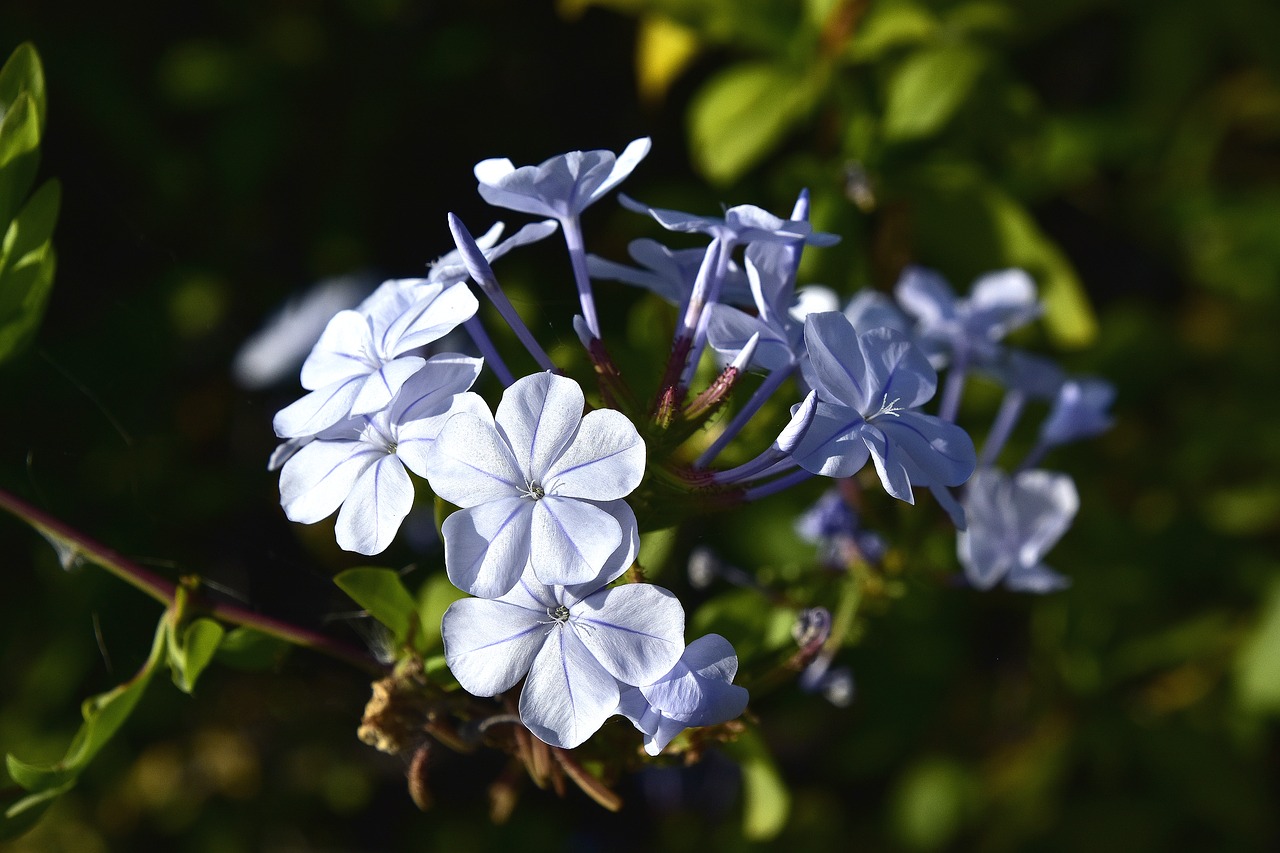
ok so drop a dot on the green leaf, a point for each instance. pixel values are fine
(755, 623)
(888, 26)
(928, 88)
(103, 715)
(189, 657)
(19, 155)
(931, 803)
(384, 596)
(766, 799)
(434, 598)
(252, 650)
(1257, 664)
(23, 74)
(742, 114)
(27, 264)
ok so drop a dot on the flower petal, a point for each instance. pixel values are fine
(318, 410)
(490, 645)
(832, 444)
(416, 438)
(341, 352)
(382, 384)
(568, 694)
(604, 461)
(636, 631)
(571, 540)
(471, 463)
(898, 373)
(318, 478)
(538, 416)
(437, 309)
(373, 511)
(486, 546)
(837, 369)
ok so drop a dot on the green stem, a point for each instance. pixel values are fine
(167, 593)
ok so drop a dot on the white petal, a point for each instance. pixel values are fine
(381, 385)
(471, 464)
(571, 540)
(371, 515)
(416, 438)
(319, 477)
(604, 462)
(322, 408)
(623, 166)
(437, 309)
(619, 561)
(832, 445)
(490, 645)
(486, 547)
(340, 353)
(568, 695)
(636, 631)
(538, 416)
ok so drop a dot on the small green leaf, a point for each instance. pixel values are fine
(23, 74)
(103, 715)
(27, 264)
(890, 25)
(189, 657)
(1257, 664)
(766, 799)
(252, 650)
(742, 114)
(384, 596)
(928, 88)
(434, 599)
(19, 156)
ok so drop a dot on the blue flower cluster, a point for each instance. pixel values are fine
(551, 494)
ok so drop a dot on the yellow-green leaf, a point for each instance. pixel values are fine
(928, 88)
(742, 114)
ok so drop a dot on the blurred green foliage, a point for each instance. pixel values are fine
(215, 159)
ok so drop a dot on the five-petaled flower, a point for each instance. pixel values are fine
(539, 483)
(580, 646)
(1013, 522)
(868, 388)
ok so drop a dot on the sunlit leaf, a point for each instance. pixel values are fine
(891, 25)
(1257, 664)
(766, 800)
(23, 74)
(742, 114)
(928, 88)
(189, 656)
(27, 264)
(384, 596)
(434, 599)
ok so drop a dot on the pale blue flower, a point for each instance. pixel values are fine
(1013, 522)
(560, 187)
(1079, 411)
(744, 223)
(366, 354)
(359, 464)
(779, 311)
(579, 646)
(966, 332)
(868, 388)
(670, 273)
(697, 691)
(870, 309)
(537, 483)
(836, 529)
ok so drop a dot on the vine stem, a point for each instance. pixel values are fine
(165, 591)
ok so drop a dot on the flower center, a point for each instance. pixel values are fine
(889, 407)
(533, 490)
(560, 614)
